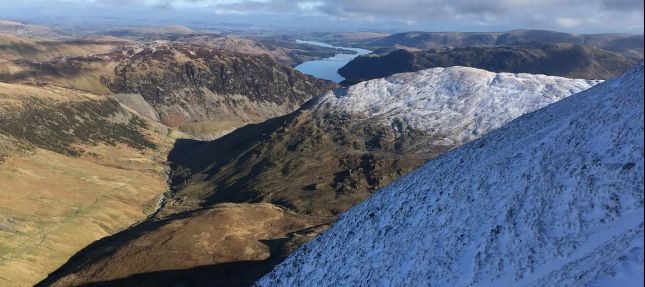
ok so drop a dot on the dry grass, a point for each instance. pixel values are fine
(51, 204)
(12, 96)
(211, 129)
(60, 204)
(225, 233)
(13, 47)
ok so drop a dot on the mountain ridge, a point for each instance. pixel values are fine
(538, 202)
(316, 162)
(185, 84)
(565, 60)
(630, 45)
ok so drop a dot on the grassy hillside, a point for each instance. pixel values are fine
(74, 168)
(13, 48)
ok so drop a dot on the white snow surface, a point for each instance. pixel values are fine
(554, 198)
(457, 104)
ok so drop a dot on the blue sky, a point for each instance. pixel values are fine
(585, 16)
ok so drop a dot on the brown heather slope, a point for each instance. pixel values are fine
(313, 163)
(74, 167)
(185, 84)
(14, 48)
(77, 166)
(225, 245)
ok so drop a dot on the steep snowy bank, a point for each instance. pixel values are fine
(554, 198)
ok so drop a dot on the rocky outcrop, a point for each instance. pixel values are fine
(186, 83)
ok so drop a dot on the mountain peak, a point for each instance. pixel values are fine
(473, 101)
(575, 217)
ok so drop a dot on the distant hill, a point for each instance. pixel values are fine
(565, 60)
(25, 29)
(151, 31)
(34, 49)
(628, 45)
(344, 39)
(282, 49)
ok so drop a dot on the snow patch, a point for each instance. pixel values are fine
(554, 198)
(458, 104)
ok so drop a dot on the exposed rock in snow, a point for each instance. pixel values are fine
(456, 104)
(554, 198)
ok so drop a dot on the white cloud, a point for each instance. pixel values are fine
(570, 15)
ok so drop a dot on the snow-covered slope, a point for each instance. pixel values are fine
(554, 198)
(455, 104)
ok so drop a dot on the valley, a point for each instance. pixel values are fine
(315, 163)
(205, 152)
(86, 134)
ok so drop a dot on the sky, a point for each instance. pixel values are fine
(581, 16)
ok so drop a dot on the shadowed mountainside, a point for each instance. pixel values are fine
(565, 60)
(309, 166)
(186, 248)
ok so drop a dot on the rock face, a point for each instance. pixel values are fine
(316, 162)
(186, 83)
(554, 198)
(565, 60)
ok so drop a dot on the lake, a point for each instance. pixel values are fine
(328, 68)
